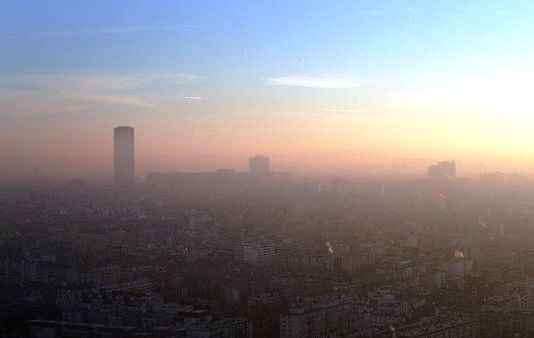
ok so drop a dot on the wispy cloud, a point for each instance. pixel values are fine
(76, 81)
(340, 110)
(193, 98)
(502, 12)
(78, 92)
(373, 11)
(377, 11)
(92, 31)
(354, 112)
(313, 82)
(411, 9)
(409, 98)
(183, 78)
(342, 115)
(504, 96)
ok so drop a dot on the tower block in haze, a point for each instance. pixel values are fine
(258, 164)
(442, 171)
(124, 156)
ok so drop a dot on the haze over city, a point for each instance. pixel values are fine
(266, 169)
(319, 87)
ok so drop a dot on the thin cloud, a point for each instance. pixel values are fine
(313, 82)
(343, 111)
(489, 96)
(505, 13)
(499, 12)
(193, 98)
(92, 31)
(110, 99)
(347, 112)
(411, 98)
(343, 115)
(183, 78)
(373, 11)
(72, 81)
(411, 9)
(81, 92)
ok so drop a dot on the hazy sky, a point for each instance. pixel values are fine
(317, 85)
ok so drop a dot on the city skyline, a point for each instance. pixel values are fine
(124, 164)
(321, 89)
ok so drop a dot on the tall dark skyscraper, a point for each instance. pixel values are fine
(124, 156)
(258, 164)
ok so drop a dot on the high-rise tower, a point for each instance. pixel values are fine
(444, 170)
(124, 156)
(258, 164)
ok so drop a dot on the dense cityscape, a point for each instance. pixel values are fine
(266, 254)
(266, 169)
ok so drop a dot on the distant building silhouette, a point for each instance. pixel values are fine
(258, 164)
(37, 174)
(493, 180)
(124, 156)
(444, 170)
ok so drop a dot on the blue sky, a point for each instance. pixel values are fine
(231, 70)
(245, 39)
